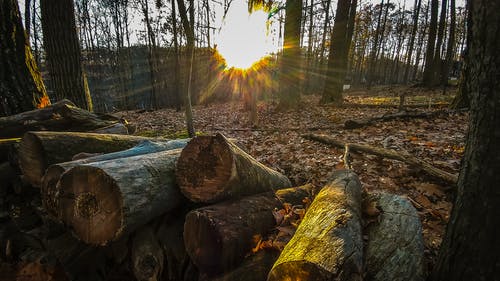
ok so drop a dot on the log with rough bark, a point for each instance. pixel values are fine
(218, 237)
(425, 166)
(117, 128)
(62, 115)
(328, 242)
(102, 201)
(53, 173)
(6, 172)
(38, 150)
(146, 255)
(254, 268)
(212, 168)
(355, 124)
(395, 247)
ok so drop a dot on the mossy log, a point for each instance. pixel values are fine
(6, 146)
(54, 172)
(117, 128)
(254, 268)
(411, 160)
(62, 115)
(101, 201)
(328, 243)
(395, 247)
(146, 255)
(218, 237)
(212, 168)
(38, 150)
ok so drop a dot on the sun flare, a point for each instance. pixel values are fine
(243, 39)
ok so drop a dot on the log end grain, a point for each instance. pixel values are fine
(198, 180)
(32, 160)
(395, 248)
(91, 203)
(48, 189)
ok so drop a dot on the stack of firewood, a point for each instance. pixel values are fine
(119, 207)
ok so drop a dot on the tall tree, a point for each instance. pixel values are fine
(21, 85)
(431, 42)
(339, 51)
(289, 79)
(63, 52)
(409, 53)
(177, 67)
(373, 55)
(188, 25)
(471, 249)
(451, 45)
(437, 64)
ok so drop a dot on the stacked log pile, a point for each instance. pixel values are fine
(115, 207)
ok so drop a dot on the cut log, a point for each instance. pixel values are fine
(6, 173)
(62, 115)
(117, 128)
(218, 237)
(328, 242)
(211, 169)
(355, 124)
(395, 248)
(254, 268)
(101, 201)
(54, 172)
(426, 167)
(147, 255)
(38, 150)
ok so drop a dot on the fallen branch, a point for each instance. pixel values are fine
(390, 154)
(354, 124)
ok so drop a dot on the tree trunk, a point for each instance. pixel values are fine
(431, 42)
(211, 169)
(49, 188)
(450, 47)
(436, 78)
(411, 44)
(218, 237)
(63, 52)
(395, 247)
(339, 51)
(38, 150)
(21, 85)
(470, 248)
(291, 61)
(177, 68)
(328, 242)
(102, 201)
(373, 53)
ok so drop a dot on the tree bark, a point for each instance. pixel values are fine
(339, 51)
(470, 248)
(49, 188)
(291, 61)
(327, 244)
(102, 201)
(431, 42)
(218, 237)
(21, 85)
(63, 52)
(211, 169)
(38, 150)
(391, 154)
(395, 247)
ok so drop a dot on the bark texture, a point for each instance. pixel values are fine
(327, 244)
(395, 247)
(38, 150)
(63, 52)
(211, 169)
(218, 237)
(53, 173)
(21, 85)
(470, 248)
(102, 201)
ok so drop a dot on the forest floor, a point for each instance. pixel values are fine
(277, 143)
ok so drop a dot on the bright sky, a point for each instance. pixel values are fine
(243, 38)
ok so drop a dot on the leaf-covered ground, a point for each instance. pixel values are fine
(277, 143)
